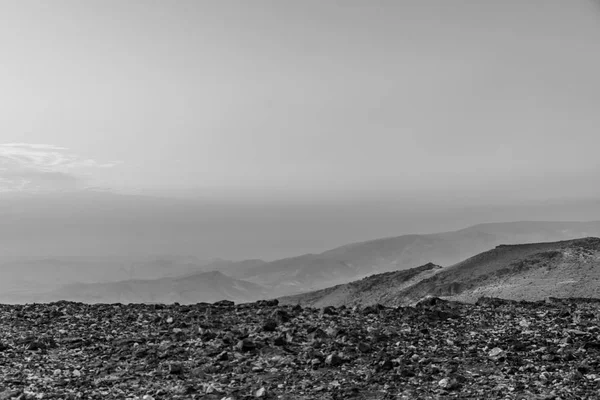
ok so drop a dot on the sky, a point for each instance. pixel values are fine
(314, 100)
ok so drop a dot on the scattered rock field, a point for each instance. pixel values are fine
(494, 349)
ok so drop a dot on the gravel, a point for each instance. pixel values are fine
(494, 349)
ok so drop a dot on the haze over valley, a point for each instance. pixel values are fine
(192, 151)
(191, 279)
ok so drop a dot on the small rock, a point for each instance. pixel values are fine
(332, 332)
(175, 369)
(224, 303)
(524, 323)
(364, 347)
(496, 352)
(279, 340)
(333, 360)
(386, 365)
(281, 316)
(448, 384)
(245, 345)
(270, 325)
(329, 310)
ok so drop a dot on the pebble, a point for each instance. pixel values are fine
(412, 352)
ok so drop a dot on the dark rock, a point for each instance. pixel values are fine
(267, 303)
(592, 345)
(280, 340)
(364, 347)
(132, 351)
(224, 303)
(270, 325)
(175, 369)
(430, 302)
(333, 360)
(329, 310)
(317, 333)
(369, 310)
(208, 335)
(281, 316)
(519, 346)
(385, 365)
(245, 345)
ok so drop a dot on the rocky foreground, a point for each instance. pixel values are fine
(495, 349)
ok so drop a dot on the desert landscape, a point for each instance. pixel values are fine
(299, 200)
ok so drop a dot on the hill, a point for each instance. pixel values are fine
(200, 287)
(374, 289)
(25, 279)
(355, 261)
(92, 237)
(520, 272)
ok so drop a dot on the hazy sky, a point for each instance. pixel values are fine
(306, 99)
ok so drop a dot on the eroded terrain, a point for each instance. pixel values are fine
(494, 349)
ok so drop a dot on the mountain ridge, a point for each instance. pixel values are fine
(531, 271)
(310, 272)
(357, 260)
(199, 287)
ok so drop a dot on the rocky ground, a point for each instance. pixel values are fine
(494, 349)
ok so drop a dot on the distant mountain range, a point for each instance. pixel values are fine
(517, 272)
(26, 276)
(357, 260)
(256, 279)
(204, 286)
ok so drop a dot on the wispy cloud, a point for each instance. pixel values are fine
(34, 146)
(43, 167)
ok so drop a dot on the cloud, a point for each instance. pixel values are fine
(34, 146)
(43, 167)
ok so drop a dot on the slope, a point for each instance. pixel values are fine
(201, 287)
(355, 261)
(519, 272)
(379, 288)
(533, 271)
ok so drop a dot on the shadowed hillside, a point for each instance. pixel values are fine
(379, 288)
(355, 261)
(519, 272)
